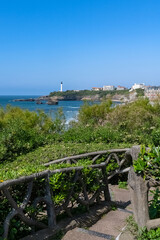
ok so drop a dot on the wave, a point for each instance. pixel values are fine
(70, 120)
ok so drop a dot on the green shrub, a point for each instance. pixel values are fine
(142, 233)
(122, 185)
(80, 134)
(156, 136)
(148, 163)
(22, 131)
(153, 234)
(154, 204)
(95, 113)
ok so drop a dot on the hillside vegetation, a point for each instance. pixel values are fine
(78, 95)
(122, 95)
(136, 123)
(99, 127)
(30, 139)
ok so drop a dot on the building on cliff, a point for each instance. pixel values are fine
(138, 86)
(152, 92)
(121, 88)
(109, 88)
(96, 89)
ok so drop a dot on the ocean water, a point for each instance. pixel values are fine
(70, 108)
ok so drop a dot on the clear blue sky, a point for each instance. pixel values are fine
(84, 43)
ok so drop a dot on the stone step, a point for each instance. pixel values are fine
(112, 223)
(108, 227)
(83, 234)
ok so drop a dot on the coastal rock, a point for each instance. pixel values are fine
(39, 102)
(91, 98)
(52, 102)
(24, 100)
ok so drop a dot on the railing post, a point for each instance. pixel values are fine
(50, 205)
(139, 197)
(105, 182)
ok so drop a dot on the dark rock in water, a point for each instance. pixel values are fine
(43, 98)
(52, 102)
(24, 100)
(39, 102)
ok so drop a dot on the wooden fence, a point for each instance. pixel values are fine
(33, 198)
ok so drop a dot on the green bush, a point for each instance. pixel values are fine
(156, 136)
(141, 233)
(153, 234)
(154, 204)
(22, 131)
(95, 113)
(148, 163)
(136, 123)
(80, 134)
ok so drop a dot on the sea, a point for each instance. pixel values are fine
(70, 108)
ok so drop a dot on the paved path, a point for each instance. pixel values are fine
(110, 225)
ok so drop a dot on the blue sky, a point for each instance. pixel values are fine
(84, 43)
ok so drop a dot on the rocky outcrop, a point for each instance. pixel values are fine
(25, 100)
(52, 102)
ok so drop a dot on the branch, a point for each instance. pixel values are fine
(20, 212)
(28, 195)
(6, 224)
(118, 172)
(87, 155)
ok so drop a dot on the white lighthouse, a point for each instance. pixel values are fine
(61, 87)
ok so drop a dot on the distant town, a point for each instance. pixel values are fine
(151, 92)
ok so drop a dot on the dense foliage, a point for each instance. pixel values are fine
(99, 126)
(153, 234)
(154, 204)
(143, 233)
(33, 162)
(22, 131)
(134, 123)
(83, 93)
(28, 139)
(148, 163)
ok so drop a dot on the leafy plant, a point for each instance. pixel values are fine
(122, 185)
(148, 163)
(154, 204)
(144, 234)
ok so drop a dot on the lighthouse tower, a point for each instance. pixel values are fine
(61, 87)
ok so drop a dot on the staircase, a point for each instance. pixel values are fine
(111, 224)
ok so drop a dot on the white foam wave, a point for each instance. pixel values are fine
(70, 119)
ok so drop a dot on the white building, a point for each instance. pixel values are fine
(96, 89)
(138, 86)
(108, 88)
(121, 88)
(152, 92)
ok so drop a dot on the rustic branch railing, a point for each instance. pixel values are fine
(84, 196)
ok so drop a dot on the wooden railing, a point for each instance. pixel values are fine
(39, 191)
